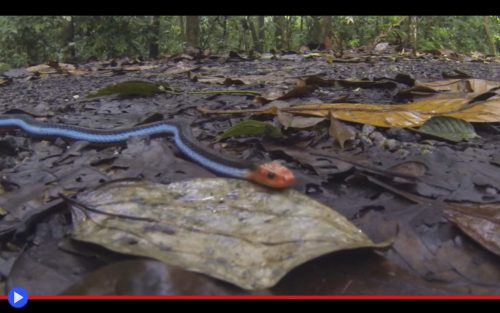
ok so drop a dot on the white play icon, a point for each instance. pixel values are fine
(17, 297)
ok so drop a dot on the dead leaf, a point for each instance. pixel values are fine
(470, 85)
(5, 81)
(340, 132)
(181, 68)
(478, 109)
(229, 229)
(450, 88)
(481, 221)
(133, 68)
(289, 120)
(405, 115)
(298, 91)
(42, 69)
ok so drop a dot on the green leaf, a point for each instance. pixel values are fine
(251, 128)
(132, 88)
(230, 229)
(448, 128)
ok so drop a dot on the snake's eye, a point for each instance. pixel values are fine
(270, 175)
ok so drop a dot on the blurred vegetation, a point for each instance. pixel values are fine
(26, 40)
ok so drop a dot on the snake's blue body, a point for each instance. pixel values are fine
(180, 131)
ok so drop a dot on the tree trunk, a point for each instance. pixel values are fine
(224, 34)
(154, 37)
(413, 34)
(182, 24)
(193, 31)
(279, 36)
(315, 30)
(325, 32)
(253, 32)
(288, 32)
(69, 40)
(261, 32)
(489, 39)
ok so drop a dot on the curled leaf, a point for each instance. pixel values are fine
(289, 120)
(481, 221)
(340, 132)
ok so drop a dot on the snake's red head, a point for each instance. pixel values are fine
(272, 174)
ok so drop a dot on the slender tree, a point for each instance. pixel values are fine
(279, 29)
(413, 34)
(489, 38)
(193, 31)
(261, 32)
(154, 37)
(69, 39)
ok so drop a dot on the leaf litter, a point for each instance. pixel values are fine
(36, 174)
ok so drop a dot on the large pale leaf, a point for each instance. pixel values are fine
(230, 229)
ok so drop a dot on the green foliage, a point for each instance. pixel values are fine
(461, 33)
(28, 39)
(110, 36)
(36, 39)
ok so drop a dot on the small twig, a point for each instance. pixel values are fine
(85, 207)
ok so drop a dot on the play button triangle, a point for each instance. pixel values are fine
(17, 297)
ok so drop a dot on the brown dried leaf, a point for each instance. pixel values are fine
(471, 85)
(340, 132)
(289, 120)
(481, 221)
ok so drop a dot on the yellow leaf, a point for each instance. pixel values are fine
(391, 115)
(404, 115)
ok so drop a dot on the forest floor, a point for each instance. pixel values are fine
(430, 253)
